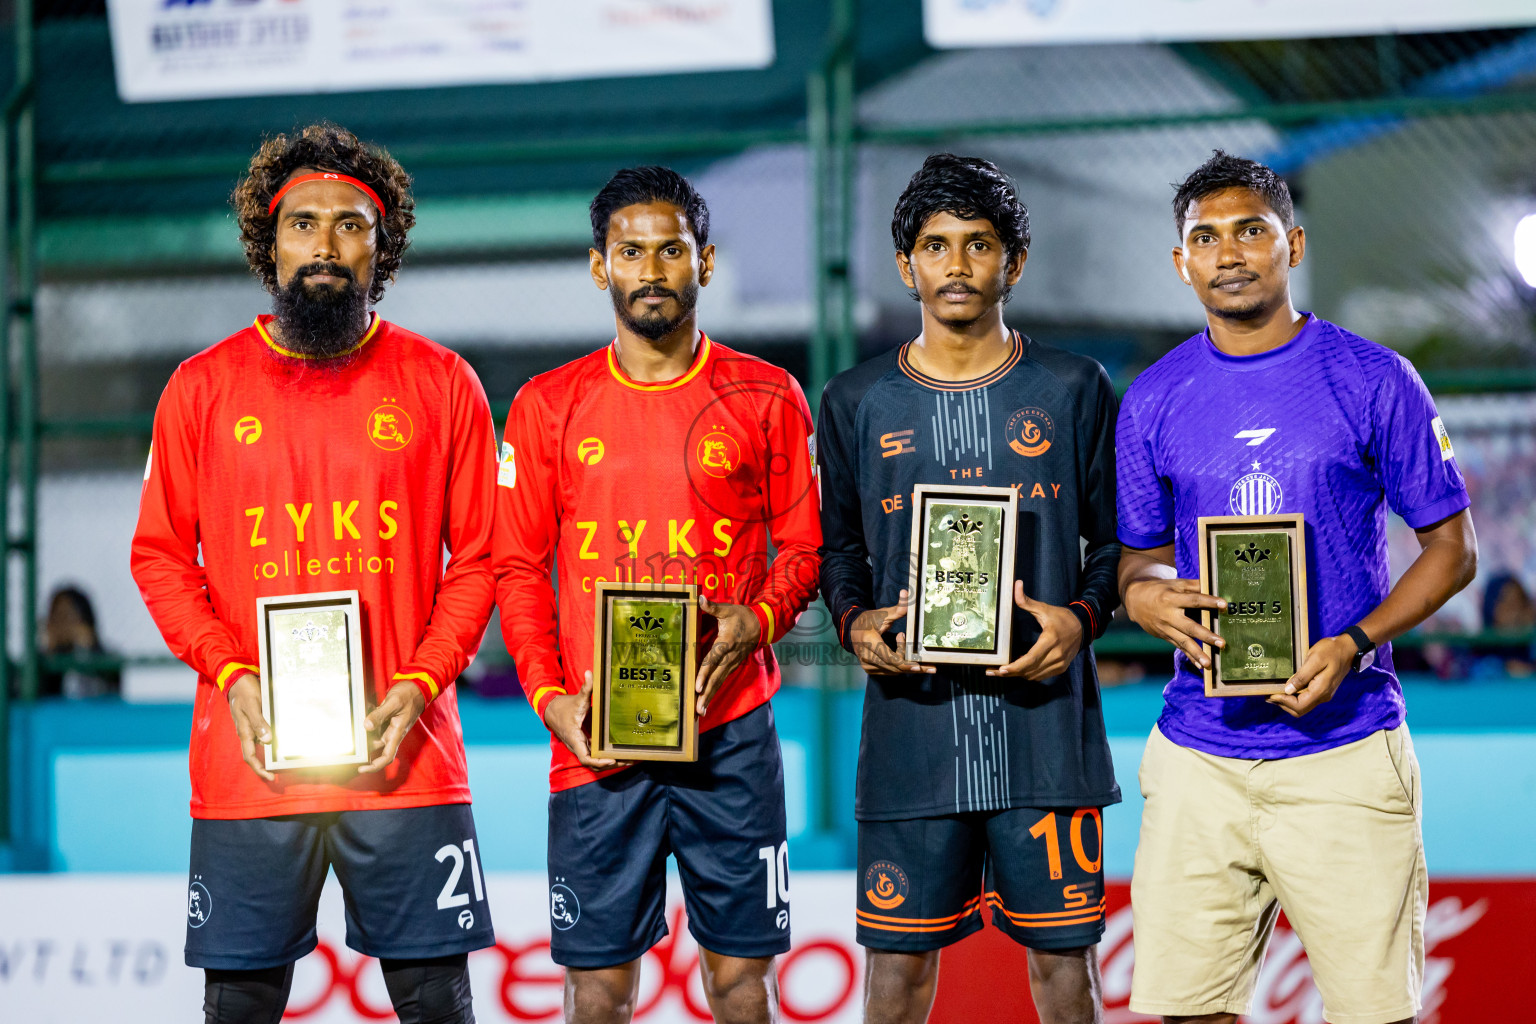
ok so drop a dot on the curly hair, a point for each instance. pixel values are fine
(326, 147)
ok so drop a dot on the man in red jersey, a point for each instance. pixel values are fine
(325, 449)
(661, 457)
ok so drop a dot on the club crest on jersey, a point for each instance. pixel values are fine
(389, 427)
(199, 903)
(885, 885)
(718, 453)
(248, 430)
(590, 451)
(564, 908)
(1257, 494)
(1030, 432)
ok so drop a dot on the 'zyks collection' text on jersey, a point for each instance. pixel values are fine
(1043, 424)
(1329, 425)
(297, 477)
(684, 481)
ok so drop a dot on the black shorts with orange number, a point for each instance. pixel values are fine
(925, 882)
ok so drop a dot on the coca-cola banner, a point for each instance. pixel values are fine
(1479, 952)
(108, 948)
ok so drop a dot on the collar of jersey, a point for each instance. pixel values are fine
(1264, 360)
(661, 385)
(266, 318)
(962, 385)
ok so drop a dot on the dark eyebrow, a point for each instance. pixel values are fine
(1211, 228)
(302, 213)
(969, 236)
(641, 245)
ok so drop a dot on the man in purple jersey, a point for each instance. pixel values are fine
(1306, 800)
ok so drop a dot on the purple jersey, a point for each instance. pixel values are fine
(1329, 425)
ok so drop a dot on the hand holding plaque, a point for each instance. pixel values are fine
(1257, 564)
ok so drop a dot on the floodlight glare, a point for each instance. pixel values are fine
(1525, 248)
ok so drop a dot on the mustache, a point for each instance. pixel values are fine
(1226, 278)
(651, 291)
(340, 270)
(959, 287)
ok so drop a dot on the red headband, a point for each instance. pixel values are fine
(326, 176)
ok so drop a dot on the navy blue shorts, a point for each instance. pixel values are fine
(410, 879)
(924, 882)
(722, 817)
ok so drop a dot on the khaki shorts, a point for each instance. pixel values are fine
(1332, 837)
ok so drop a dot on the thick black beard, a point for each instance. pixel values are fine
(653, 326)
(322, 322)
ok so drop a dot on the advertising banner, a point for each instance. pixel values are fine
(109, 948)
(194, 49)
(965, 23)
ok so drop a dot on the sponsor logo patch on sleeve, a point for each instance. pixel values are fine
(506, 471)
(1443, 439)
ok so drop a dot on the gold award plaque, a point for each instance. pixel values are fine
(960, 589)
(312, 687)
(1259, 564)
(644, 665)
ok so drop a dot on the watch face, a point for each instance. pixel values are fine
(1366, 660)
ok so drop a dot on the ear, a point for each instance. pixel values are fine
(1016, 267)
(1297, 236)
(706, 264)
(1180, 266)
(599, 269)
(904, 268)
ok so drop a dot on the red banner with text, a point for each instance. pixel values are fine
(1478, 941)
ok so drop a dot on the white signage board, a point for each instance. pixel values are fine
(953, 24)
(109, 948)
(197, 49)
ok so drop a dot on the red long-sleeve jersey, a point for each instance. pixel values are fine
(297, 477)
(684, 481)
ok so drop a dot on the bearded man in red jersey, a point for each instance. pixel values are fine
(325, 449)
(662, 457)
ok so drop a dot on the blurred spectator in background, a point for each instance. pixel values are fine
(1507, 610)
(69, 635)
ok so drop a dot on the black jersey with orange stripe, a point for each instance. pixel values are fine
(1043, 423)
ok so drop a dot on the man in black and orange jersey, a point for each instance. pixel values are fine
(325, 449)
(975, 787)
(662, 457)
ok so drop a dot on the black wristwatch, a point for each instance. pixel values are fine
(1365, 653)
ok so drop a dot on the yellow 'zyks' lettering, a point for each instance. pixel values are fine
(299, 519)
(257, 540)
(343, 520)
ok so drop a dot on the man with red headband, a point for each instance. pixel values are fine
(324, 449)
